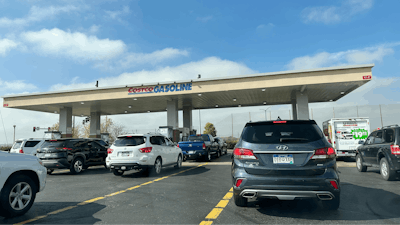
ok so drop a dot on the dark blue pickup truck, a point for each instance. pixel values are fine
(200, 146)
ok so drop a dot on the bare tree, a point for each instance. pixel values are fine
(76, 130)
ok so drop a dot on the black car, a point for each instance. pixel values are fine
(381, 150)
(73, 154)
(285, 160)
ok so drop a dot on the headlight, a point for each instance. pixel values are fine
(40, 161)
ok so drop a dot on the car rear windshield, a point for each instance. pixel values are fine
(279, 133)
(17, 144)
(54, 143)
(130, 141)
(199, 138)
(31, 143)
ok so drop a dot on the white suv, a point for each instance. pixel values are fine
(149, 152)
(21, 177)
(27, 146)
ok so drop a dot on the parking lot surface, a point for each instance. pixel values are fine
(200, 193)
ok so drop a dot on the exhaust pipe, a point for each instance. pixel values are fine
(325, 196)
(249, 194)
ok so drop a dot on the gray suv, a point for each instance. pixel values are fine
(285, 160)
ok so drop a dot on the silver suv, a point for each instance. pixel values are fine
(27, 146)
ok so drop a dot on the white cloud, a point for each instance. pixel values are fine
(73, 45)
(265, 29)
(325, 59)
(37, 14)
(335, 14)
(94, 29)
(15, 86)
(208, 68)
(155, 57)
(116, 15)
(204, 19)
(6, 45)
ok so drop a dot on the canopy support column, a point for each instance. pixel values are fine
(65, 122)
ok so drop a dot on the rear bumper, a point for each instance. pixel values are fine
(126, 166)
(346, 153)
(286, 195)
(194, 154)
(56, 163)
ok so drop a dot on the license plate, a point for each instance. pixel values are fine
(124, 154)
(191, 152)
(283, 159)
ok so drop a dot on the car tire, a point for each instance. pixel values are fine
(386, 172)
(218, 153)
(179, 162)
(77, 166)
(50, 171)
(105, 166)
(239, 200)
(118, 172)
(332, 204)
(207, 157)
(29, 189)
(359, 165)
(156, 168)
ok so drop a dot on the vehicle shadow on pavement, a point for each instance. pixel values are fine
(357, 203)
(166, 172)
(82, 214)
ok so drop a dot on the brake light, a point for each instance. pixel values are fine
(334, 184)
(21, 151)
(243, 153)
(177, 145)
(238, 182)
(67, 149)
(395, 149)
(109, 151)
(53, 140)
(146, 150)
(324, 153)
(204, 146)
(128, 136)
(280, 121)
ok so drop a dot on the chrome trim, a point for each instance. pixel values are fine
(283, 152)
(286, 194)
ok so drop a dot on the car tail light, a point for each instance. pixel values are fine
(280, 121)
(21, 151)
(238, 182)
(395, 149)
(146, 150)
(67, 149)
(204, 146)
(334, 184)
(53, 140)
(177, 145)
(243, 153)
(324, 153)
(109, 151)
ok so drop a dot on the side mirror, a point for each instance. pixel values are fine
(361, 142)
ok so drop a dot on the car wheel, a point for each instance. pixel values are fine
(332, 204)
(207, 157)
(77, 166)
(49, 171)
(386, 172)
(359, 162)
(117, 172)
(17, 196)
(179, 162)
(105, 166)
(156, 169)
(239, 200)
(218, 153)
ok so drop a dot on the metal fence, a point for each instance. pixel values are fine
(379, 115)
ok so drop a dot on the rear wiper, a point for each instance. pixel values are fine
(130, 145)
(293, 139)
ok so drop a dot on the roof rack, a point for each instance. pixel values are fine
(394, 125)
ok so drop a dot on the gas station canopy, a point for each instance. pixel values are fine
(322, 85)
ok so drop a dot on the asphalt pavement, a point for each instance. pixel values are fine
(200, 193)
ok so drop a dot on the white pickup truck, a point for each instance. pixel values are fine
(21, 177)
(346, 134)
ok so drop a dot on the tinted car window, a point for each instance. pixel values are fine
(130, 141)
(388, 135)
(17, 144)
(96, 145)
(31, 143)
(199, 138)
(378, 137)
(370, 139)
(268, 133)
(157, 140)
(102, 142)
(53, 143)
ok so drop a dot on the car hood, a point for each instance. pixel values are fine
(9, 157)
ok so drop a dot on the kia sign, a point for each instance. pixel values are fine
(162, 88)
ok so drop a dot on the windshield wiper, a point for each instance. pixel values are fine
(293, 139)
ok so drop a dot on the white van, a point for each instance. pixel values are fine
(27, 146)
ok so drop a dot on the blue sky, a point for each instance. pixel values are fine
(53, 45)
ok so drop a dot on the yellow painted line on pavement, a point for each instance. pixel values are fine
(99, 198)
(216, 211)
